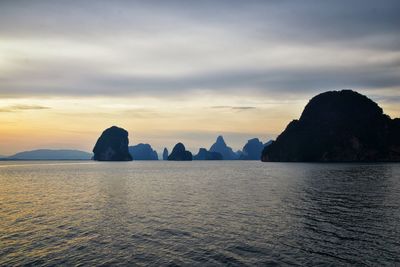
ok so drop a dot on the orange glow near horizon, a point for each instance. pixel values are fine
(76, 123)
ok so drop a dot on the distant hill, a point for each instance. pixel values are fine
(226, 151)
(252, 150)
(207, 155)
(338, 126)
(143, 152)
(52, 154)
(179, 153)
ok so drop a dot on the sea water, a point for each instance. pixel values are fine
(234, 213)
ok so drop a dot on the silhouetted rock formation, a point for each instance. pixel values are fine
(165, 154)
(207, 155)
(338, 126)
(143, 152)
(112, 145)
(221, 147)
(252, 150)
(179, 153)
(268, 143)
(52, 154)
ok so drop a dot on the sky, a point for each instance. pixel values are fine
(188, 71)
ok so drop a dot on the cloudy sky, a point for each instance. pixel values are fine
(170, 70)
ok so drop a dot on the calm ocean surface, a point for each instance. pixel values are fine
(199, 213)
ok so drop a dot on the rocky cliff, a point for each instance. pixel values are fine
(179, 153)
(338, 126)
(112, 145)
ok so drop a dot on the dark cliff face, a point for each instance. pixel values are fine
(207, 155)
(179, 153)
(112, 145)
(338, 126)
(143, 152)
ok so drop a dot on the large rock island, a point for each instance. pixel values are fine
(112, 145)
(179, 153)
(338, 126)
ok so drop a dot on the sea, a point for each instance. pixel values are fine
(200, 213)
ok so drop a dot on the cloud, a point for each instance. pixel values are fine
(17, 108)
(270, 82)
(243, 108)
(233, 107)
(309, 19)
(177, 48)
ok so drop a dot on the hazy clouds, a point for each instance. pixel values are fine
(16, 108)
(169, 48)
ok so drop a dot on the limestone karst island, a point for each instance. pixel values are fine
(335, 126)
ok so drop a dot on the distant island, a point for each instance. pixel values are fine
(50, 154)
(220, 147)
(252, 149)
(113, 145)
(335, 126)
(165, 154)
(179, 153)
(338, 126)
(143, 152)
(204, 154)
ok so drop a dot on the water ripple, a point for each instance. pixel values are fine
(199, 214)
